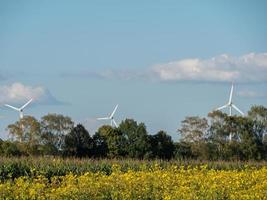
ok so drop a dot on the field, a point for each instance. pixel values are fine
(54, 178)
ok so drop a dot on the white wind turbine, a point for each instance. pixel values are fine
(231, 106)
(20, 110)
(111, 118)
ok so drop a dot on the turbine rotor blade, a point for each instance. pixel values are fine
(114, 122)
(22, 107)
(12, 107)
(114, 111)
(231, 93)
(222, 107)
(237, 109)
(103, 118)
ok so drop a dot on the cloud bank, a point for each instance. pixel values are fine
(223, 68)
(19, 93)
(250, 67)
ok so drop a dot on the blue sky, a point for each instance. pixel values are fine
(159, 60)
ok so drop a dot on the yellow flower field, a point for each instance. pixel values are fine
(154, 183)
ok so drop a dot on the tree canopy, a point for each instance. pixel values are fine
(215, 137)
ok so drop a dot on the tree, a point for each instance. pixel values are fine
(54, 128)
(115, 140)
(244, 143)
(182, 150)
(8, 148)
(218, 134)
(100, 146)
(136, 138)
(78, 142)
(259, 116)
(161, 145)
(26, 130)
(194, 129)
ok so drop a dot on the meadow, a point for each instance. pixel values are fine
(71, 178)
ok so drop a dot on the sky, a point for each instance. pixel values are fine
(159, 60)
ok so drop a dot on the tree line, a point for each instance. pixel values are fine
(215, 137)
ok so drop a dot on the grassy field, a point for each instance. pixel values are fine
(56, 178)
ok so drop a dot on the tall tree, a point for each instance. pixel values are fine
(54, 128)
(162, 145)
(26, 130)
(137, 138)
(259, 116)
(193, 129)
(78, 142)
(115, 140)
(100, 146)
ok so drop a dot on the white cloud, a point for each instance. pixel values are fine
(247, 68)
(223, 68)
(19, 93)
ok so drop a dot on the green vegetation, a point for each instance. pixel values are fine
(200, 138)
(11, 168)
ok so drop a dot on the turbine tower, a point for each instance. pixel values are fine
(230, 104)
(20, 110)
(111, 118)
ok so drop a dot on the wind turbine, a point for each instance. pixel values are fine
(20, 110)
(111, 118)
(231, 106)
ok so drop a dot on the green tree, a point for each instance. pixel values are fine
(8, 148)
(218, 134)
(259, 116)
(115, 140)
(194, 129)
(27, 131)
(136, 138)
(162, 145)
(244, 142)
(54, 127)
(78, 142)
(100, 146)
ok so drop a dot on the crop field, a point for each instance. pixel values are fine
(55, 178)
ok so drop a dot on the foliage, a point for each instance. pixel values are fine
(78, 142)
(137, 138)
(26, 130)
(54, 128)
(162, 146)
(218, 137)
(193, 129)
